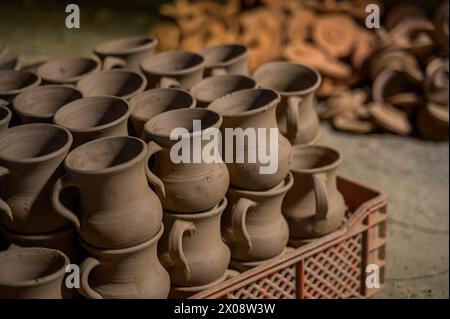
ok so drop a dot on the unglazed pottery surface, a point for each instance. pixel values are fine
(67, 70)
(226, 59)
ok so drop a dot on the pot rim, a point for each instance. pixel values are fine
(64, 149)
(71, 79)
(216, 210)
(287, 182)
(13, 92)
(43, 280)
(101, 50)
(321, 169)
(8, 114)
(241, 56)
(173, 72)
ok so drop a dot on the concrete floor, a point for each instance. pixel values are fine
(414, 173)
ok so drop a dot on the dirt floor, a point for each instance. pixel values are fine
(413, 172)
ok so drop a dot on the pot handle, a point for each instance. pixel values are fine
(167, 82)
(218, 71)
(179, 228)
(3, 206)
(292, 115)
(238, 217)
(321, 194)
(112, 62)
(85, 269)
(154, 180)
(62, 183)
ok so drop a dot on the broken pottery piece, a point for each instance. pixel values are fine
(390, 118)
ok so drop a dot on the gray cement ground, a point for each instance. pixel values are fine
(414, 173)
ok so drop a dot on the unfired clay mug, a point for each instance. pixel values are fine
(32, 273)
(30, 163)
(14, 82)
(314, 206)
(5, 117)
(253, 225)
(121, 83)
(253, 109)
(94, 117)
(38, 105)
(117, 207)
(185, 183)
(192, 249)
(179, 69)
(209, 89)
(130, 273)
(226, 59)
(148, 104)
(126, 52)
(297, 85)
(67, 70)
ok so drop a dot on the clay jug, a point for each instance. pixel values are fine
(129, 273)
(192, 184)
(14, 82)
(30, 163)
(226, 59)
(253, 225)
(126, 52)
(38, 105)
(179, 69)
(314, 206)
(117, 208)
(94, 117)
(67, 70)
(253, 109)
(209, 89)
(148, 104)
(5, 117)
(192, 249)
(297, 85)
(32, 273)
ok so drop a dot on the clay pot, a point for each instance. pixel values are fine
(186, 180)
(436, 85)
(253, 109)
(117, 207)
(313, 206)
(296, 84)
(5, 117)
(121, 83)
(242, 266)
(126, 52)
(67, 70)
(148, 104)
(396, 60)
(179, 69)
(15, 82)
(30, 158)
(432, 122)
(226, 59)
(94, 117)
(32, 273)
(253, 225)
(209, 89)
(41, 103)
(441, 23)
(192, 249)
(129, 273)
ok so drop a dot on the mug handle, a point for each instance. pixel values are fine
(179, 228)
(321, 194)
(219, 71)
(3, 206)
(238, 217)
(85, 269)
(112, 62)
(292, 115)
(154, 180)
(167, 82)
(61, 184)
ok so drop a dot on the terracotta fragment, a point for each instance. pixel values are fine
(390, 118)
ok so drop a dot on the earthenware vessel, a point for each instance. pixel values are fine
(209, 89)
(117, 208)
(253, 109)
(180, 69)
(253, 225)
(14, 82)
(189, 175)
(432, 122)
(436, 84)
(148, 104)
(226, 59)
(38, 105)
(126, 52)
(121, 83)
(94, 117)
(67, 70)
(30, 163)
(297, 85)
(129, 273)
(32, 273)
(5, 117)
(192, 249)
(242, 266)
(313, 206)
